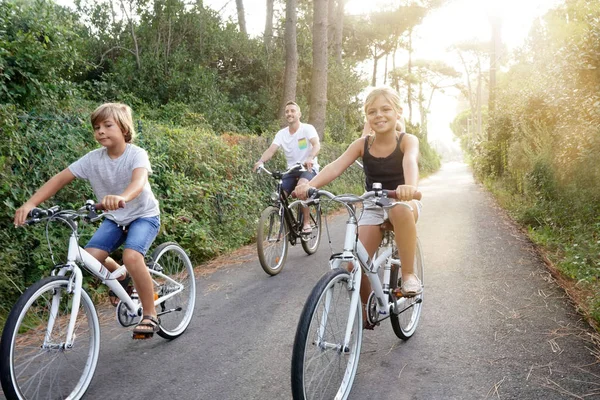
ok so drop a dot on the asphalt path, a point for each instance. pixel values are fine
(495, 325)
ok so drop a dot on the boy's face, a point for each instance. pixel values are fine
(108, 133)
(292, 114)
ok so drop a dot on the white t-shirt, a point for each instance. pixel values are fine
(297, 147)
(111, 177)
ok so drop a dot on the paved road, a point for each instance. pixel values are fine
(494, 323)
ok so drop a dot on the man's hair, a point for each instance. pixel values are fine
(390, 94)
(292, 103)
(122, 115)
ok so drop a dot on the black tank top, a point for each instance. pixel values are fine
(386, 170)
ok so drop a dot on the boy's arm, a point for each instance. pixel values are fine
(139, 177)
(266, 156)
(47, 190)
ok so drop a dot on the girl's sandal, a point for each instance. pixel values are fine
(146, 328)
(126, 284)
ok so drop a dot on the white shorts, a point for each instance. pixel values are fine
(375, 215)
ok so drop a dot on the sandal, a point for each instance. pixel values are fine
(146, 327)
(126, 284)
(411, 287)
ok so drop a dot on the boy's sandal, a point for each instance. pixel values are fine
(126, 284)
(146, 328)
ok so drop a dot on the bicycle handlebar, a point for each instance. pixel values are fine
(297, 166)
(313, 192)
(37, 214)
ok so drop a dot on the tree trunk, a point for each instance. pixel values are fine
(269, 24)
(408, 86)
(291, 57)
(241, 16)
(318, 90)
(374, 77)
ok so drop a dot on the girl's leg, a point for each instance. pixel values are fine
(405, 230)
(370, 236)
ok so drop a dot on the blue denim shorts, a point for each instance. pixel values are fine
(138, 236)
(289, 181)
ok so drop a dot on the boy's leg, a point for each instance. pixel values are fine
(305, 178)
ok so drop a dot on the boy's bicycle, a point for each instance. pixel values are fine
(329, 334)
(51, 340)
(282, 223)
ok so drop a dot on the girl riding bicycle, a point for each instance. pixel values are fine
(118, 173)
(389, 158)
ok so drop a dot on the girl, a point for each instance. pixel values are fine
(389, 158)
(118, 172)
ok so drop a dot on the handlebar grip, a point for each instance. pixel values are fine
(100, 207)
(312, 191)
(37, 213)
(392, 194)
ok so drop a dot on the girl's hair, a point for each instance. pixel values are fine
(122, 115)
(390, 95)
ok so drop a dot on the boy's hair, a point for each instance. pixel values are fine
(292, 103)
(122, 115)
(390, 94)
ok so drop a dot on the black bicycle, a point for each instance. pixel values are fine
(282, 223)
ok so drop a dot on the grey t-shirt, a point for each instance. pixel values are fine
(111, 177)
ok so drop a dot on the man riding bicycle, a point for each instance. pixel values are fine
(300, 144)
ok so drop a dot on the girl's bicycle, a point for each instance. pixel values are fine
(329, 334)
(51, 340)
(282, 223)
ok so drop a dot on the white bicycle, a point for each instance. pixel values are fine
(51, 339)
(329, 334)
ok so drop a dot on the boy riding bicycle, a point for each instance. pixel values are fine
(118, 173)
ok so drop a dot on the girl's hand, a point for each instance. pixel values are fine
(22, 212)
(302, 191)
(405, 192)
(111, 202)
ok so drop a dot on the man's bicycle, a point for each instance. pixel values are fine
(329, 334)
(51, 340)
(282, 223)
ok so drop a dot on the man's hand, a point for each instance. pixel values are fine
(308, 163)
(111, 202)
(405, 192)
(302, 191)
(257, 164)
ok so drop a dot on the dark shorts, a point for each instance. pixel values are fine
(289, 181)
(138, 236)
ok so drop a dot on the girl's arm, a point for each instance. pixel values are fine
(47, 190)
(139, 177)
(410, 149)
(332, 170)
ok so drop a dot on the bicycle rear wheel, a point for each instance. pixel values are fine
(272, 240)
(35, 360)
(405, 323)
(321, 367)
(176, 312)
(310, 242)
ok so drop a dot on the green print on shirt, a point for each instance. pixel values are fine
(302, 144)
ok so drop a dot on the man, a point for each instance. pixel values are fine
(300, 144)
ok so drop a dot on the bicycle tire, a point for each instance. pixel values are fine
(311, 243)
(405, 323)
(30, 366)
(176, 312)
(314, 359)
(272, 240)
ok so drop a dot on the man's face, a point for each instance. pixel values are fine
(292, 114)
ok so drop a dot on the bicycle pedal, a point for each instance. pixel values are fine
(141, 336)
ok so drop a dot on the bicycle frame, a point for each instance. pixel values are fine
(77, 255)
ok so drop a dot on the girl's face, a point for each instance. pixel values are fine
(381, 115)
(109, 134)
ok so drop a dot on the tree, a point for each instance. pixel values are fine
(318, 86)
(291, 56)
(268, 35)
(241, 16)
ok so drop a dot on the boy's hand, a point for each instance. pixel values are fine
(22, 212)
(302, 191)
(111, 202)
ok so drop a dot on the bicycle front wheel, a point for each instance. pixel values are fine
(176, 311)
(405, 323)
(310, 242)
(322, 367)
(272, 241)
(35, 359)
